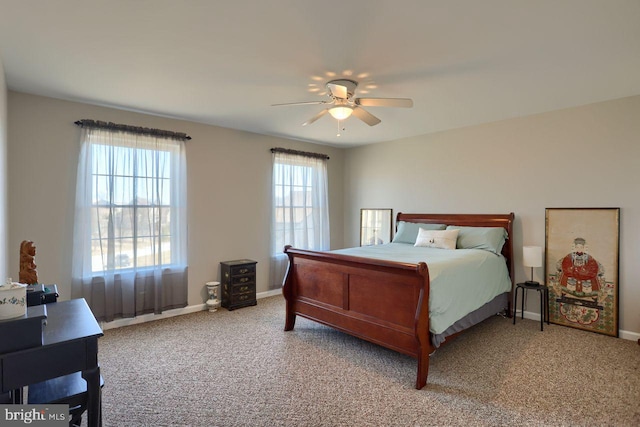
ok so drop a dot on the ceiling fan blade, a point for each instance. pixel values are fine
(384, 102)
(300, 103)
(365, 116)
(316, 117)
(338, 91)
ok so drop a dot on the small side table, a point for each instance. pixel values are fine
(544, 301)
(238, 283)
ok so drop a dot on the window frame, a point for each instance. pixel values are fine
(114, 233)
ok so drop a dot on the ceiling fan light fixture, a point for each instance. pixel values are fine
(341, 112)
(343, 103)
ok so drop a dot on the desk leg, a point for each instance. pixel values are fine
(94, 397)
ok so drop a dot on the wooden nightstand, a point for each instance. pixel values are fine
(544, 301)
(238, 283)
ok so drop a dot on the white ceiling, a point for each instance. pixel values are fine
(224, 63)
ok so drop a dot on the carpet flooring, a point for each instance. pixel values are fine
(240, 368)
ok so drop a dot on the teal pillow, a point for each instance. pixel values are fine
(408, 231)
(487, 238)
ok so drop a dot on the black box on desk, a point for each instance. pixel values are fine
(41, 294)
(34, 295)
(23, 332)
(50, 294)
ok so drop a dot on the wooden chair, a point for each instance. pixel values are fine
(66, 390)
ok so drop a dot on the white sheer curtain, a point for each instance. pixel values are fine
(130, 234)
(300, 214)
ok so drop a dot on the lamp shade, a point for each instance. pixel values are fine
(341, 112)
(532, 256)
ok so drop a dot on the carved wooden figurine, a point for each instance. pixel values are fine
(28, 273)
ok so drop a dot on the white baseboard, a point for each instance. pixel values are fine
(626, 335)
(172, 313)
(118, 323)
(271, 293)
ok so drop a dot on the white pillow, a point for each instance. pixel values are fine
(442, 239)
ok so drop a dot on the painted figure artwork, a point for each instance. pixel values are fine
(582, 286)
(28, 273)
(582, 280)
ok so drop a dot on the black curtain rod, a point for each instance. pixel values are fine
(300, 153)
(96, 124)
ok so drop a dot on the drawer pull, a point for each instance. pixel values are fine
(244, 279)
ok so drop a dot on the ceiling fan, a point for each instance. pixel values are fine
(342, 103)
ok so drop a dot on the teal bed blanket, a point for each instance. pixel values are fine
(461, 280)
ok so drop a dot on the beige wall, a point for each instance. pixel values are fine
(3, 176)
(580, 157)
(229, 178)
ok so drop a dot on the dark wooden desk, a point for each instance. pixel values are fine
(70, 344)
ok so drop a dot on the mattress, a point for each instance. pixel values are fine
(461, 280)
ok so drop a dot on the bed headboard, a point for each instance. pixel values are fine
(470, 220)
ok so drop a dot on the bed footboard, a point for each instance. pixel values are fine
(383, 302)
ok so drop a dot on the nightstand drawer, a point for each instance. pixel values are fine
(243, 269)
(239, 280)
(242, 298)
(243, 289)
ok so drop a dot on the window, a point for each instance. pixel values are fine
(130, 253)
(131, 200)
(300, 215)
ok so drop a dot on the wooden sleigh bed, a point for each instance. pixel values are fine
(384, 302)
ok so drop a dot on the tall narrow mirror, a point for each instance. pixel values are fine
(375, 226)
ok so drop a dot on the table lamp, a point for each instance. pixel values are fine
(532, 257)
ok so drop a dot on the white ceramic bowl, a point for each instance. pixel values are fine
(13, 301)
